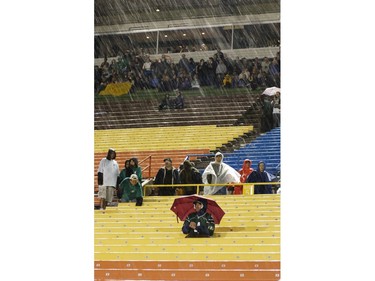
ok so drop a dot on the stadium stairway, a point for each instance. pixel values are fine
(146, 243)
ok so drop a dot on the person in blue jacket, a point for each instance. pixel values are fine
(260, 175)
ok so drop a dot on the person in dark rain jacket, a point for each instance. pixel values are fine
(190, 174)
(260, 175)
(199, 223)
(167, 175)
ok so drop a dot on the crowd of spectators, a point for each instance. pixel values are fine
(166, 75)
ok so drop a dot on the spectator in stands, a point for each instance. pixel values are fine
(267, 114)
(166, 102)
(202, 72)
(195, 82)
(167, 175)
(133, 164)
(131, 190)
(218, 172)
(211, 69)
(257, 64)
(184, 81)
(274, 72)
(192, 67)
(184, 63)
(98, 78)
(221, 70)
(199, 223)
(243, 78)
(105, 65)
(179, 101)
(108, 173)
(227, 81)
(147, 71)
(245, 171)
(260, 175)
(190, 174)
(265, 64)
(166, 83)
(276, 110)
(253, 81)
(219, 53)
(125, 173)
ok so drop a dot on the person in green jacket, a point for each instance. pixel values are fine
(131, 190)
(133, 164)
(125, 173)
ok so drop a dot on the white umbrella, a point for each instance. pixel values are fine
(271, 91)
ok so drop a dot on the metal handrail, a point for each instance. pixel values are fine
(148, 166)
(248, 187)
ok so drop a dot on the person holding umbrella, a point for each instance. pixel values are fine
(199, 223)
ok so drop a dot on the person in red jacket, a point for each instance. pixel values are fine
(244, 172)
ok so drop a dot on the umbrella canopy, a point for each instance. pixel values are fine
(271, 91)
(183, 206)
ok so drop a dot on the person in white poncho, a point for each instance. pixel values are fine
(218, 172)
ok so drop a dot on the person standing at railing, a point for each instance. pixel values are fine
(245, 171)
(260, 175)
(218, 172)
(167, 175)
(190, 174)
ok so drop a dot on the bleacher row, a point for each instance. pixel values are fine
(146, 243)
(224, 110)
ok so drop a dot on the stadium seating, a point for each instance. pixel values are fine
(161, 142)
(265, 148)
(222, 109)
(146, 243)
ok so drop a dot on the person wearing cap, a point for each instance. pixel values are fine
(167, 175)
(218, 172)
(199, 223)
(108, 173)
(131, 190)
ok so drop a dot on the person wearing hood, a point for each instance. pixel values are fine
(125, 173)
(167, 175)
(136, 169)
(190, 174)
(199, 223)
(131, 190)
(260, 175)
(245, 171)
(108, 173)
(218, 172)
